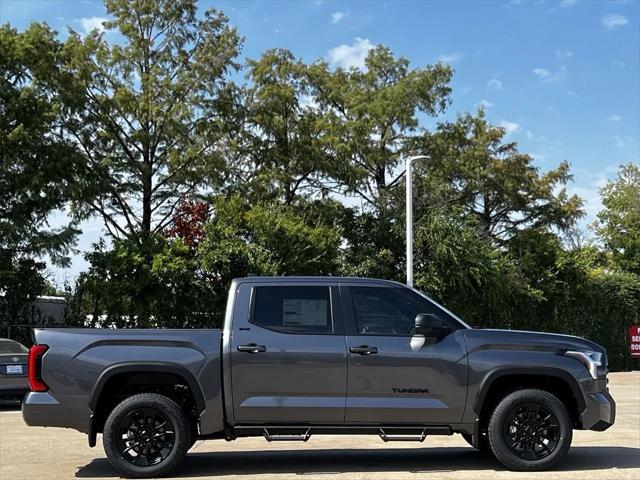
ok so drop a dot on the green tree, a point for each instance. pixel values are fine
(279, 150)
(41, 171)
(151, 284)
(472, 165)
(370, 117)
(152, 126)
(265, 239)
(618, 223)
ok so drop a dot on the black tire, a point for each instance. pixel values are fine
(152, 456)
(483, 444)
(530, 430)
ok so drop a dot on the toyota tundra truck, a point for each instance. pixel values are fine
(302, 356)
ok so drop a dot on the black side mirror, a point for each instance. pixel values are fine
(430, 325)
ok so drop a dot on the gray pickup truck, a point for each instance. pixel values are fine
(309, 355)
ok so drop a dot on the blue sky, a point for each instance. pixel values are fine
(563, 77)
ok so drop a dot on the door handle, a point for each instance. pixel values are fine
(252, 348)
(364, 350)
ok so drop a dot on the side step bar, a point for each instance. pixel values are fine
(402, 437)
(287, 437)
(302, 433)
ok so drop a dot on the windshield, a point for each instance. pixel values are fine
(10, 346)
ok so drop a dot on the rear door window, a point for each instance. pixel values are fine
(293, 309)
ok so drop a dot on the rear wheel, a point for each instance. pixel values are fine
(146, 435)
(530, 430)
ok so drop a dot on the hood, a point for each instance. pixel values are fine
(534, 340)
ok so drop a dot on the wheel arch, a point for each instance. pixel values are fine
(136, 368)
(536, 377)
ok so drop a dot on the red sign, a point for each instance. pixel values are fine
(634, 340)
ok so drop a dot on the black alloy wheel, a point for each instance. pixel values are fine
(146, 436)
(531, 431)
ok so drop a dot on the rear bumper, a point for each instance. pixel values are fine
(13, 386)
(599, 413)
(41, 409)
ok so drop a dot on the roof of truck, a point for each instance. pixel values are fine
(317, 279)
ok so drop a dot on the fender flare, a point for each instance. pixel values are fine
(557, 373)
(147, 367)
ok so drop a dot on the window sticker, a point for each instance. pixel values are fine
(304, 312)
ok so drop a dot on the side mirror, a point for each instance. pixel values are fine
(430, 325)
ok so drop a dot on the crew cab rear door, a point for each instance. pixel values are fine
(394, 376)
(288, 354)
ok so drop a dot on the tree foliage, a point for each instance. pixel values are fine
(40, 170)
(152, 124)
(619, 221)
(372, 115)
(473, 165)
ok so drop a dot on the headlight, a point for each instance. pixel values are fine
(591, 360)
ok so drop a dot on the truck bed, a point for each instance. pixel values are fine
(79, 362)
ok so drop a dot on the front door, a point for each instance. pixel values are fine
(394, 376)
(288, 358)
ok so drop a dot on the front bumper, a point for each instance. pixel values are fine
(599, 413)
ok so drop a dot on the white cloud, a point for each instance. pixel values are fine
(563, 54)
(92, 23)
(485, 104)
(547, 76)
(571, 93)
(614, 20)
(562, 4)
(509, 127)
(621, 141)
(618, 63)
(541, 72)
(347, 56)
(495, 83)
(450, 57)
(615, 118)
(337, 17)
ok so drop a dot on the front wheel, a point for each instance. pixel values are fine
(530, 430)
(146, 435)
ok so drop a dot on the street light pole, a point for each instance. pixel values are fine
(409, 192)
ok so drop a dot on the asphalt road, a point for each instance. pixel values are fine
(52, 454)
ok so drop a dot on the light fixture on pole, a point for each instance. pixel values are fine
(409, 192)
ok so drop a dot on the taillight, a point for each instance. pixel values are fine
(35, 368)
